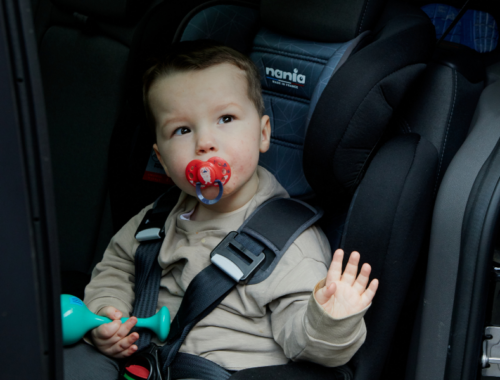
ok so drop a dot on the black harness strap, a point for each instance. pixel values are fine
(205, 292)
(148, 276)
(235, 260)
(187, 366)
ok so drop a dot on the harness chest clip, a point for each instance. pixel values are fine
(234, 259)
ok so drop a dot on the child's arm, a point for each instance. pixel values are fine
(112, 338)
(301, 325)
(343, 294)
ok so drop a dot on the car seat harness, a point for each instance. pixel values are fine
(246, 256)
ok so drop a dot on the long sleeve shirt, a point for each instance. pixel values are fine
(255, 325)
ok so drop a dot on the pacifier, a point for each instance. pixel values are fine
(213, 172)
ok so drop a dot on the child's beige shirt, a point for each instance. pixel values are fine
(255, 325)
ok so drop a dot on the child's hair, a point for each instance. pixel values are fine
(199, 55)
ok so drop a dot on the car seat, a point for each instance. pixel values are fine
(330, 143)
(448, 339)
(440, 106)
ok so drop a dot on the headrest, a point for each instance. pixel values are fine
(321, 20)
(114, 10)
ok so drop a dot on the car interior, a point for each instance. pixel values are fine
(390, 129)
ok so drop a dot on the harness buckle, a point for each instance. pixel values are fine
(152, 226)
(234, 259)
(143, 365)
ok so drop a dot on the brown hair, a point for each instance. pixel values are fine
(199, 55)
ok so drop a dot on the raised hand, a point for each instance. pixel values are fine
(343, 293)
(112, 338)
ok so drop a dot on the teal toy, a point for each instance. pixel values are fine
(77, 320)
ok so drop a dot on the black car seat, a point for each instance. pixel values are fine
(447, 341)
(330, 143)
(84, 50)
(440, 107)
(463, 238)
(448, 91)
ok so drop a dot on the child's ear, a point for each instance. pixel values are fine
(265, 134)
(158, 155)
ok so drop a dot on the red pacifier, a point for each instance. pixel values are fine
(213, 172)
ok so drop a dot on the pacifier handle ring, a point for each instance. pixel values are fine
(209, 201)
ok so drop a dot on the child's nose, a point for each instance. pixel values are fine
(206, 143)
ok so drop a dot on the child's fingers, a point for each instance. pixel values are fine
(118, 353)
(126, 326)
(363, 277)
(325, 293)
(111, 312)
(106, 330)
(351, 269)
(126, 353)
(335, 270)
(124, 344)
(370, 292)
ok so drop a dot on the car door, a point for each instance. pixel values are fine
(29, 305)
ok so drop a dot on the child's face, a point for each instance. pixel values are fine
(207, 113)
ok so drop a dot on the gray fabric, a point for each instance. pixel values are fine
(444, 252)
(493, 73)
(83, 362)
(83, 81)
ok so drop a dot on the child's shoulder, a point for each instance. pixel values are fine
(313, 244)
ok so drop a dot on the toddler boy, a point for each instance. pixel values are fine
(205, 101)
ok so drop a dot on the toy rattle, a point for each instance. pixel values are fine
(213, 172)
(77, 319)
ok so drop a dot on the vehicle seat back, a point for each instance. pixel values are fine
(441, 104)
(83, 48)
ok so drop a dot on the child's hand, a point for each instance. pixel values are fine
(111, 338)
(344, 294)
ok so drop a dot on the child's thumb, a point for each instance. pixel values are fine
(110, 312)
(325, 293)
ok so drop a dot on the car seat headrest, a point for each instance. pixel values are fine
(321, 20)
(110, 10)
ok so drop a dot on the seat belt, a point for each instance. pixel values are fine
(455, 21)
(248, 255)
(150, 233)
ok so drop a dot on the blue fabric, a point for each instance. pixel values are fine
(293, 72)
(476, 29)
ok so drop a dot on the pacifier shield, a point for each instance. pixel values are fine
(213, 172)
(207, 172)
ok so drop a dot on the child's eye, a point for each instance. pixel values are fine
(225, 119)
(181, 131)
